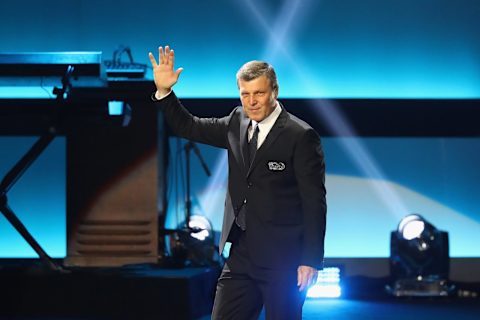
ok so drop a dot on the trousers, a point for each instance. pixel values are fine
(244, 288)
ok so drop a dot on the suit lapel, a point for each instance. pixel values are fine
(238, 141)
(270, 139)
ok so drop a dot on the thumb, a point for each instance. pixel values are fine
(177, 73)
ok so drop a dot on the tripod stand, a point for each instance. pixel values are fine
(183, 245)
(188, 201)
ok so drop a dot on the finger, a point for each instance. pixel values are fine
(172, 57)
(152, 60)
(179, 70)
(167, 55)
(301, 281)
(160, 55)
(303, 285)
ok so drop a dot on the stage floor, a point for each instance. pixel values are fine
(30, 292)
(343, 309)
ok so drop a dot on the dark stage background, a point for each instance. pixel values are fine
(403, 51)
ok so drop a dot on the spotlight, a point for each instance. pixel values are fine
(419, 259)
(194, 246)
(200, 227)
(327, 285)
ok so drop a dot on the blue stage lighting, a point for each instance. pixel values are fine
(115, 108)
(121, 111)
(327, 285)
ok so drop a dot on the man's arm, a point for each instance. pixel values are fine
(309, 168)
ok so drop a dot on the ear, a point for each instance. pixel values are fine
(275, 92)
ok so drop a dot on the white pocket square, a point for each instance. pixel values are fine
(276, 166)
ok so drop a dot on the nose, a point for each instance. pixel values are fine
(252, 100)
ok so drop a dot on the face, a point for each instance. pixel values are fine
(258, 98)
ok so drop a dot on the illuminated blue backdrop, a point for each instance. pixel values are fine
(329, 48)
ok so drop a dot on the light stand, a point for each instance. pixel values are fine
(182, 245)
(188, 202)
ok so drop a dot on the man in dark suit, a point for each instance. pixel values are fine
(275, 209)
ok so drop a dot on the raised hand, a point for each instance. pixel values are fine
(164, 74)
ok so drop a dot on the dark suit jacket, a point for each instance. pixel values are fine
(283, 191)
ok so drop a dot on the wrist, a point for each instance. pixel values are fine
(160, 93)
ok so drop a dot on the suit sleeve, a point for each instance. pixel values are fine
(309, 165)
(212, 131)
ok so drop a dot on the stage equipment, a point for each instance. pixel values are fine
(189, 146)
(192, 242)
(419, 259)
(201, 228)
(193, 246)
(48, 94)
(116, 68)
(327, 285)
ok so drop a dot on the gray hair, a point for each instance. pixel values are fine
(254, 69)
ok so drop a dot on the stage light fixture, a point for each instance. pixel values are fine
(193, 246)
(200, 227)
(419, 259)
(411, 226)
(327, 285)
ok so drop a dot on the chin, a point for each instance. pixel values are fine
(257, 118)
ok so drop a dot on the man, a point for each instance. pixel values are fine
(275, 208)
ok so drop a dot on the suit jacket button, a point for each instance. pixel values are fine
(250, 184)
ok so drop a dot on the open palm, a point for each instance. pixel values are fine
(164, 74)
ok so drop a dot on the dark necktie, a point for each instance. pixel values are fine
(252, 145)
(252, 149)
